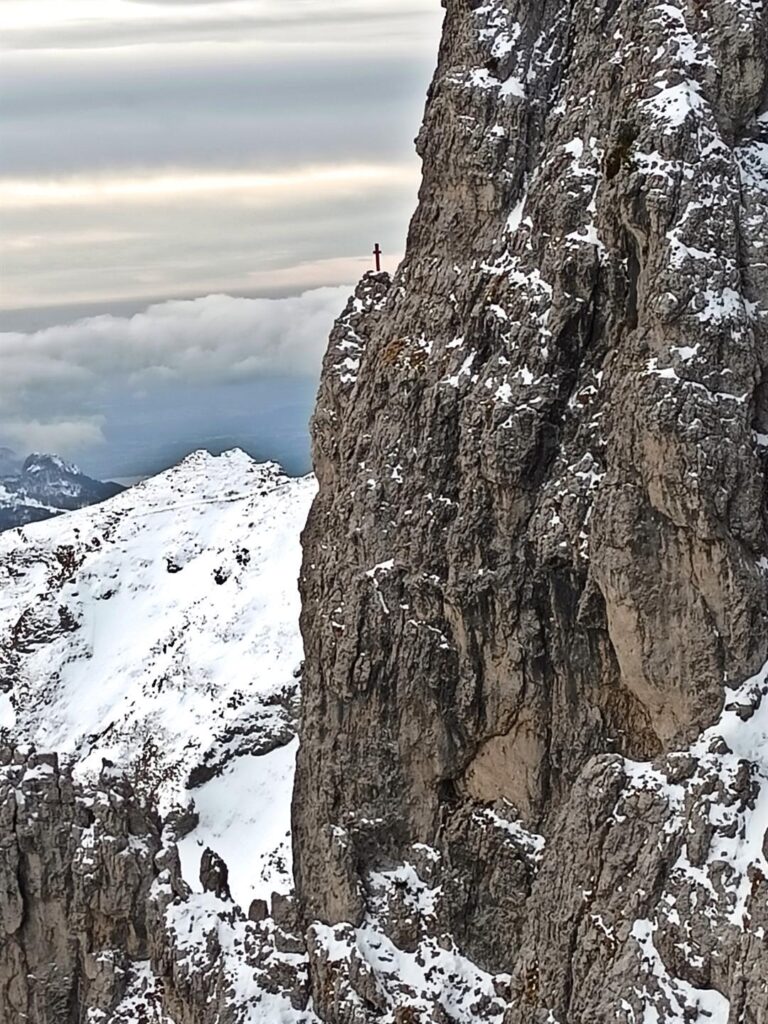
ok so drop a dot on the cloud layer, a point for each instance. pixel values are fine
(59, 384)
(211, 95)
(164, 149)
(108, 24)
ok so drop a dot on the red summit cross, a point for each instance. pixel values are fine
(377, 254)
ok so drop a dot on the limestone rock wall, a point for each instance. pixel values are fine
(97, 925)
(75, 877)
(532, 784)
(538, 554)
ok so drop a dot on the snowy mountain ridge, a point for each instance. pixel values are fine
(38, 462)
(158, 631)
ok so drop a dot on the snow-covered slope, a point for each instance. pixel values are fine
(159, 631)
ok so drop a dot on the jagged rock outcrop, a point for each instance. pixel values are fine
(97, 925)
(536, 568)
(75, 877)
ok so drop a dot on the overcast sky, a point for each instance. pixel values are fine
(169, 149)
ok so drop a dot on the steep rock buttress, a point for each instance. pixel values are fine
(535, 574)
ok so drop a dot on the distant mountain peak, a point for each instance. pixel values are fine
(45, 485)
(38, 462)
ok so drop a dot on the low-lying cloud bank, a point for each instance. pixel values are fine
(57, 384)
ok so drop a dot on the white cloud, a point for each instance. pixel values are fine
(53, 436)
(54, 380)
(156, 148)
(89, 24)
(99, 190)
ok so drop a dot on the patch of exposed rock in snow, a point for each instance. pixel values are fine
(717, 814)
(425, 971)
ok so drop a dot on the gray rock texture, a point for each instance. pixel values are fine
(97, 925)
(537, 561)
(75, 878)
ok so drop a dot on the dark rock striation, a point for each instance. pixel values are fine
(537, 563)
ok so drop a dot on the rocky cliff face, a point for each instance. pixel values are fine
(534, 584)
(99, 927)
